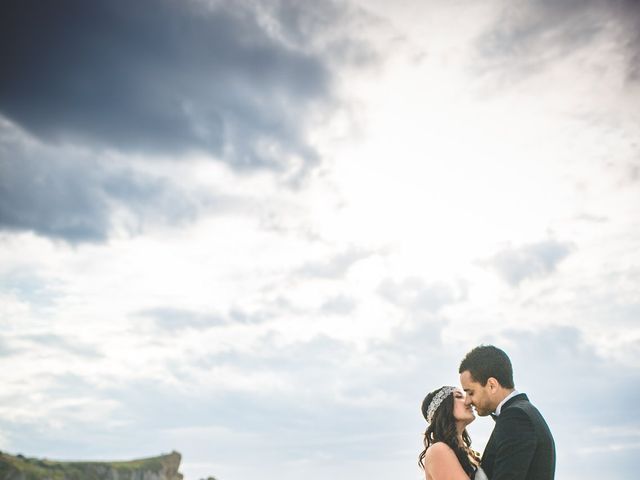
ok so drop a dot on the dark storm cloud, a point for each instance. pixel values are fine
(168, 77)
(57, 201)
(530, 261)
(159, 76)
(69, 195)
(526, 36)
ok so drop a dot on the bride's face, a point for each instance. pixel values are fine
(461, 411)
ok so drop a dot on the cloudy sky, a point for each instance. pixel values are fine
(259, 232)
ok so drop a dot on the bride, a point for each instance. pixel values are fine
(447, 454)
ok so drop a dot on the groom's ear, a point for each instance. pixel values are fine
(493, 384)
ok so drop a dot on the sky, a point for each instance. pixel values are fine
(260, 232)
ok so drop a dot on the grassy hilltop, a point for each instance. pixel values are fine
(18, 467)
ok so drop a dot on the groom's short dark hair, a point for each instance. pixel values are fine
(486, 361)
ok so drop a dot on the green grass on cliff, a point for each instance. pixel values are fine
(20, 467)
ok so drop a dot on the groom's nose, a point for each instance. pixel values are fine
(467, 400)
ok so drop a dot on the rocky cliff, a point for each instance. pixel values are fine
(164, 467)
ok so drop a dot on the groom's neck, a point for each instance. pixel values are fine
(501, 394)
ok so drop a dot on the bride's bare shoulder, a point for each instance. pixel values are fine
(439, 449)
(441, 462)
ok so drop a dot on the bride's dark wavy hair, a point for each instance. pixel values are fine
(443, 429)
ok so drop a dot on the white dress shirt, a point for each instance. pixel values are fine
(505, 400)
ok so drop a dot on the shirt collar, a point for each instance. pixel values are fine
(505, 400)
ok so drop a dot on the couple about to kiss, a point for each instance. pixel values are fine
(520, 447)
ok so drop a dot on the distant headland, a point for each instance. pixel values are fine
(19, 467)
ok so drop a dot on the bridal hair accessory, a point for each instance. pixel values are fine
(437, 400)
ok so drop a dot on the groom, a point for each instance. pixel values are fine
(521, 446)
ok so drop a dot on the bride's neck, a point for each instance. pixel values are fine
(459, 432)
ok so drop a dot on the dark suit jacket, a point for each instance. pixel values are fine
(521, 446)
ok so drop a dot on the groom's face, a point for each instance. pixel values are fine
(477, 395)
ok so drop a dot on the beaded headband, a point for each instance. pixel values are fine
(437, 400)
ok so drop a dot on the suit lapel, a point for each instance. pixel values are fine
(488, 457)
(512, 400)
